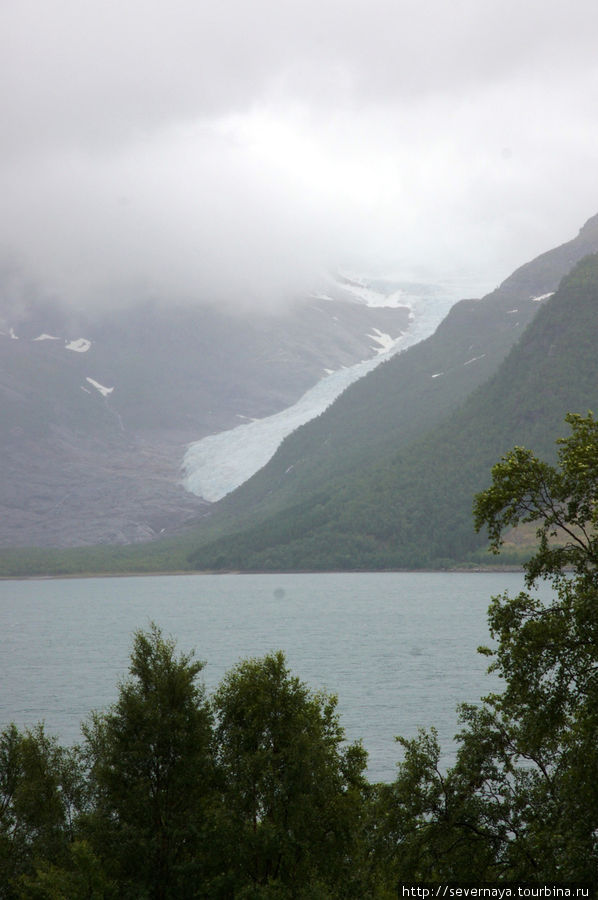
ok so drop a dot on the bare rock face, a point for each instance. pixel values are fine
(96, 410)
(70, 490)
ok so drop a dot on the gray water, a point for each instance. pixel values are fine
(399, 649)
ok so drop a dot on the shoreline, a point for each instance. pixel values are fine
(457, 570)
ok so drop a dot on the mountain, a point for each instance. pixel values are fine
(386, 476)
(97, 407)
(217, 464)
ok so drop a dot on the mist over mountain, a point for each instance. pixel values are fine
(152, 149)
(98, 407)
(164, 158)
(386, 476)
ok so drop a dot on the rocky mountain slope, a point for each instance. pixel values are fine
(97, 407)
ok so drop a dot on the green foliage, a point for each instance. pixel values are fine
(168, 555)
(534, 744)
(563, 500)
(253, 794)
(430, 825)
(151, 773)
(292, 793)
(39, 790)
(408, 505)
(82, 878)
(521, 802)
(256, 795)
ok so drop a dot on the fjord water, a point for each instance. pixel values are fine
(399, 649)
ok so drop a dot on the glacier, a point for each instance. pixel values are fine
(217, 464)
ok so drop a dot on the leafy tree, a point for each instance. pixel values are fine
(436, 825)
(39, 792)
(521, 802)
(292, 792)
(151, 774)
(548, 653)
(563, 500)
(81, 878)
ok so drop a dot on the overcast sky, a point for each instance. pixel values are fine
(235, 149)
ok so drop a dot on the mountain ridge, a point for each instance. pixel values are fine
(358, 496)
(409, 393)
(96, 416)
(92, 479)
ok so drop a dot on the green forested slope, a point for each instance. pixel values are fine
(413, 507)
(352, 488)
(406, 396)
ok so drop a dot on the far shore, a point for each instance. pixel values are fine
(454, 570)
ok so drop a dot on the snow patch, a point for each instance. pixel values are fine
(14, 336)
(474, 359)
(542, 297)
(437, 374)
(81, 345)
(385, 341)
(46, 337)
(104, 391)
(511, 311)
(373, 299)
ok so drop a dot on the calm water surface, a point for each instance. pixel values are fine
(399, 650)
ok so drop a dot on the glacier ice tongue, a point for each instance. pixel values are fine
(219, 463)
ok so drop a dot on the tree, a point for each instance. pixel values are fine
(39, 791)
(292, 792)
(151, 774)
(563, 500)
(523, 794)
(82, 877)
(547, 653)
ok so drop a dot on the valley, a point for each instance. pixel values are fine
(349, 432)
(98, 408)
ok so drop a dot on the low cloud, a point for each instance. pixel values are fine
(232, 153)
